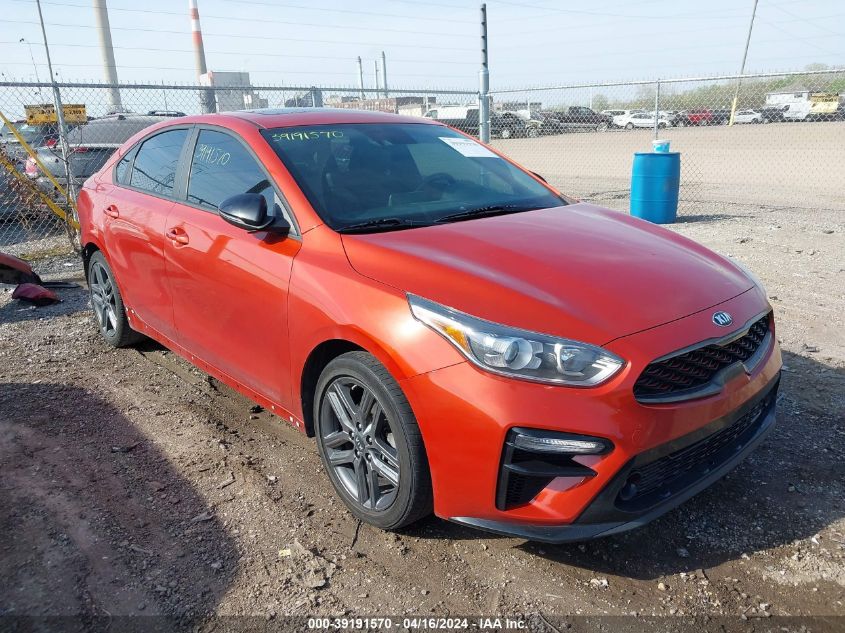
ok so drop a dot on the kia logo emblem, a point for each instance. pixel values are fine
(722, 319)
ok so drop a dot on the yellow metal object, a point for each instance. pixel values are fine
(33, 188)
(34, 156)
(46, 113)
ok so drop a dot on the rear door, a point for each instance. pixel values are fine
(230, 286)
(134, 216)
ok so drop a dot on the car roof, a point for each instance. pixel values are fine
(113, 130)
(288, 117)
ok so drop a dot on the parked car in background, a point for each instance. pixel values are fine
(618, 118)
(90, 146)
(698, 116)
(720, 116)
(748, 116)
(576, 118)
(643, 119)
(456, 335)
(772, 114)
(34, 135)
(465, 119)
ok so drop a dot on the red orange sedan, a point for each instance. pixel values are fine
(457, 335)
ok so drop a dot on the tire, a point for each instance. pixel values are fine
(601, 127)
(506, 133)
(629, 126)
(381, 446)
(661, 126)
(107, 303)
(533, 132)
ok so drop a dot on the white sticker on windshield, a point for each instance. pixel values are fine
(468, 147)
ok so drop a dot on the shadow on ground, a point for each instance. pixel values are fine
(790, 488)
(96, 520)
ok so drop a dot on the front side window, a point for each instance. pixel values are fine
(222, 167)
(155, 164)
(403, 173)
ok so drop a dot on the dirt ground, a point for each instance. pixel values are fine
(132, 484)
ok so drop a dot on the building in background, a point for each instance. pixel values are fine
(239, 97)
(411, 106)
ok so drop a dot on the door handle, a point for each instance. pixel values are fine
(111, 211)
(177, 236)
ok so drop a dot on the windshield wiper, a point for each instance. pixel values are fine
(493, 209)
(381, 224)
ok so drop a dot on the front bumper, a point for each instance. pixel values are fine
(465, 415)
(606, 515)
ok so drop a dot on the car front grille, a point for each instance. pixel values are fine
(655, 481)
(688, 373)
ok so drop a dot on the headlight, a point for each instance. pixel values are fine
(518, 353)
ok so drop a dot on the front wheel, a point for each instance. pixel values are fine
(630, 126)
(370, 443)
(601, 127)
(506, 133)
(109, 311)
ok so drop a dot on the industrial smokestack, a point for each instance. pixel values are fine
(384, 74)
(360, 78)
(208, 104)
(101, 13)
(196, 34)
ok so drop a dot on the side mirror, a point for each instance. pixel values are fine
(248, 211)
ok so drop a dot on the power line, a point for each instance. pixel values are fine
(250, 53)
(251, 37)
(278, 72)
(206, 16)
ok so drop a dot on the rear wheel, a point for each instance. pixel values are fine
(109, 311)
(629, 126)
(370, 443)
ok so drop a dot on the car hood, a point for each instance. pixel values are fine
(577, 271)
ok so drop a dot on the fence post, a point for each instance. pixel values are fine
(657, 109)
(484, 84)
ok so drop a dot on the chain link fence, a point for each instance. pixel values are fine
(784, 148)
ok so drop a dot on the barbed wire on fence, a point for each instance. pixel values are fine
(580, 137)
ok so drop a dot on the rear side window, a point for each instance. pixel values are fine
(155, 164)
(222, 167)
(121, 171)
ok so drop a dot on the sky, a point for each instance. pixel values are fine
(428, 44)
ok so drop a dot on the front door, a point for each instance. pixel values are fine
(230, 287)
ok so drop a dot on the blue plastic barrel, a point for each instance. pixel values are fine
(655, 180)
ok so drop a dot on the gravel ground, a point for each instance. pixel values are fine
(131, 483)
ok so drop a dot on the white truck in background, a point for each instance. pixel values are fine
(804, 105)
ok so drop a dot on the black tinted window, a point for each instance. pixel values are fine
(222, 167)
(155, 164)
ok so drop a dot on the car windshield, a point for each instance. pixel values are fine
(400, 175)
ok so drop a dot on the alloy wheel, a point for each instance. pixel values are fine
(103, 298)
(359, 444)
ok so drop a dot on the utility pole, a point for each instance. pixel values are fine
(375, 66)
(101, 13)
(360, 79)
(742, 68)
(60, 119)
(384, 74)
(484, 84)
